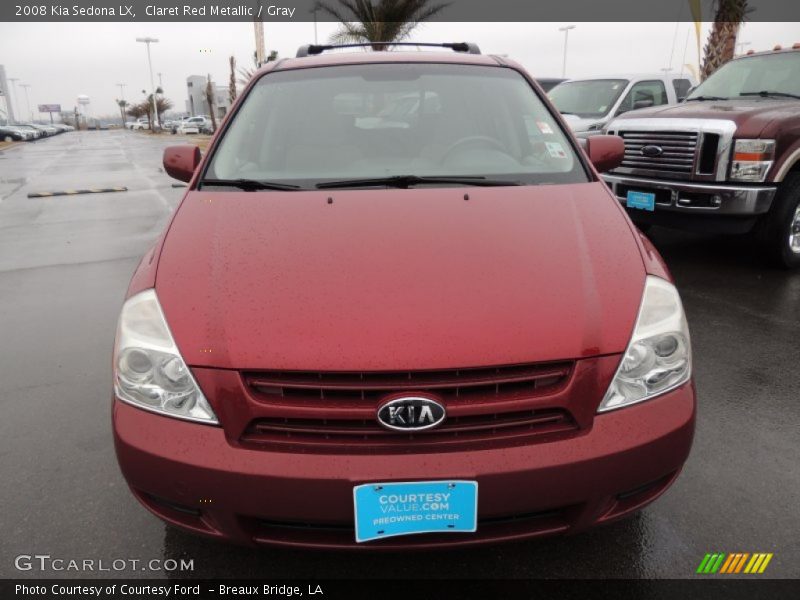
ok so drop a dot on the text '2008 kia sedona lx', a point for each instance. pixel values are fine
(397, 307)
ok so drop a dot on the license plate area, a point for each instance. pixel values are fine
(641, 200)
(390, 509)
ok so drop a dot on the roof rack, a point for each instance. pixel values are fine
(314, 49)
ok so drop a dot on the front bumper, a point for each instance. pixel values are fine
(699, 198)
(191, 476)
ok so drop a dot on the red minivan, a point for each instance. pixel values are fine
(397, 307)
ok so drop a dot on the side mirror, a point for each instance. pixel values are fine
(181, 161)
(605, 151)
(642, 104)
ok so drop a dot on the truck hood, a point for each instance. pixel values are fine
(399, 279)
(580, 124)
(752, 115)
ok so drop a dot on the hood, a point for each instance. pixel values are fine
(751, 115)
(580, 124)
(399, 279)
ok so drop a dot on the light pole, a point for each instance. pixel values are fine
(14, 99)
(313, 11)
(26, 86)
(566, 39)
(148, 41)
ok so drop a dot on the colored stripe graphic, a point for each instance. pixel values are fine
(703, 563)
(722, 563)
(732, 559)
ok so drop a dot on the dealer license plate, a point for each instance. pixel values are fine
(389, 509)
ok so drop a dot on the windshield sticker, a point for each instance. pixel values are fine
(544, 127)
(556, 150)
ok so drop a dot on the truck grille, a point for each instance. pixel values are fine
(678, 156)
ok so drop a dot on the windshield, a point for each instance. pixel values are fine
(309, 126)
(590, 99)
(779, 72)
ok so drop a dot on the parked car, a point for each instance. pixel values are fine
(37, 133)
(450, 329)
(589, 104)
(548, 83)
(193, 125)
(10, 133)
(727, 160)
(47, 130)
(63, 127)
(141, 124)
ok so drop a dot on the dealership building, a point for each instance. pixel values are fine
(196, 103)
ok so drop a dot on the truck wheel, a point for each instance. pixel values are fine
(779, 232)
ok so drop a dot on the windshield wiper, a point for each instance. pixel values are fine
(251, 185)
(405, 181)
(768, 93)
(702, 98)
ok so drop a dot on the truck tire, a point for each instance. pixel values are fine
(779, 231)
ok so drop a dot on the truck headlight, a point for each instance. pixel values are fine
(752, 159)
(659, 355)
(149, 371)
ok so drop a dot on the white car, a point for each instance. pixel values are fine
(589, 104)
(193, 125)
(140, 124)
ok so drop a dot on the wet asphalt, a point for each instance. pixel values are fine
(65, 263)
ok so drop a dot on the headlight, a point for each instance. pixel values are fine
(659, 355)
(149, 371)
(752, 159)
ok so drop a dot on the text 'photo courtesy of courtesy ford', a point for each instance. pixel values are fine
(396, 308)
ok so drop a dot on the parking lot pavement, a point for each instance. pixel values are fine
(64, 266)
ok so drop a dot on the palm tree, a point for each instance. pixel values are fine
(232, 80)
(210, 100)
(721, 45)
(122, 106)
(245, 74)
(136, 110)
(372, 21)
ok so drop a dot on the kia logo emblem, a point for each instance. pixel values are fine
(411, 413)
(652, 151)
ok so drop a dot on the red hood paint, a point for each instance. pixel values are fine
(399, 279)
(754, 117)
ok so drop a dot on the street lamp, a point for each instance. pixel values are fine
(26, 86)
(148, 41)
(313, 11)
(566, 39)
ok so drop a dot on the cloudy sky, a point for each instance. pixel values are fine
(62, 60)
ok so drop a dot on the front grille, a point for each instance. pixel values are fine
(336, 411)
(369, 387)
(349, 434)
(678, 147)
